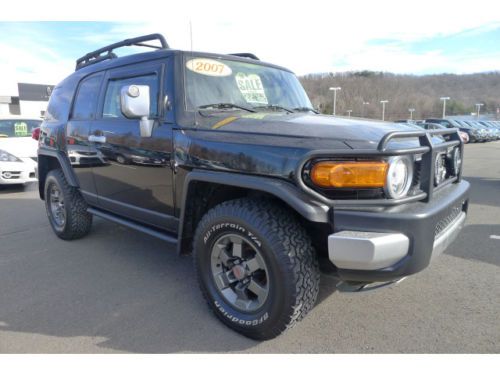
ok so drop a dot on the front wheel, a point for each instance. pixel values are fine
(256, 267)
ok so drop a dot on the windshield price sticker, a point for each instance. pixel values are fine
(20, 129)
(209, 67)
(250, 86)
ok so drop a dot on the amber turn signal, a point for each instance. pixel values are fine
(349, 174)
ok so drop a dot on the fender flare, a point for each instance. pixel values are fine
(63, 162)
(298, 200)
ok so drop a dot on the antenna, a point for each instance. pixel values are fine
(194, 81)
(191, 34)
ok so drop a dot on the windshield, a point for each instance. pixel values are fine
(233, 85)
(18, 128)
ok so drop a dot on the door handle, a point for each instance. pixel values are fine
(97, 138)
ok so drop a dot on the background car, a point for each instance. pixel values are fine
(474, 134)
(18, 150)
(431, 126)
(492, 128)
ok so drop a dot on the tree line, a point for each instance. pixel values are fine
(403, 91)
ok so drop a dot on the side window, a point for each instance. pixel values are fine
(112, 108)
(85, 104)
(59, 104)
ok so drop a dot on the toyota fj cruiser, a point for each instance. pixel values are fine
(224, 156)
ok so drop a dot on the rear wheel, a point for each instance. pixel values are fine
(256, 267)
(66, 208)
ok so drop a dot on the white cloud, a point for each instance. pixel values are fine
(306, 36)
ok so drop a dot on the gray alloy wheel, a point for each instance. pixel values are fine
(57, 210)
(239, 272)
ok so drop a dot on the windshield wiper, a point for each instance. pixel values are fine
(225, 106)
(305, 109)
(274, 107)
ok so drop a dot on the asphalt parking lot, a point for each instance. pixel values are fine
(121, 291)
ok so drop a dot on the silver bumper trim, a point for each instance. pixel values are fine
(366, 250)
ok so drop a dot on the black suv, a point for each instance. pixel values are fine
(224, 156)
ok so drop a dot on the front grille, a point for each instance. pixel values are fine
(446, 221)
(11, 175)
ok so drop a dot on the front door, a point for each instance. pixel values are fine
(136, 180)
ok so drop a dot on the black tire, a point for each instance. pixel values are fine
(77, 221)
(289, 257)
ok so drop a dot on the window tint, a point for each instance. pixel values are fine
(112, 100)
(86, 98)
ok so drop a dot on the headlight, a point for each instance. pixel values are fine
(439, 169)
(5, 156)
(456, 161)
(399, 177)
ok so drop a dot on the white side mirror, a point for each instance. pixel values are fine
(135, 103)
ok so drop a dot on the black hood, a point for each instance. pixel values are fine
(355, 133)
(273, 144)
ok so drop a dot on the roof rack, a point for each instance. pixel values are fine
(245, 54)
(106, 53)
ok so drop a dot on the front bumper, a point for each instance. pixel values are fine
(18, 172)
(390, 243)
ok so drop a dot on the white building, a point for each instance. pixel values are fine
(26, 99)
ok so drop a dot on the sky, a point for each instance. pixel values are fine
(40, 45)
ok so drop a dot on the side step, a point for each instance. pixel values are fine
(133, 225)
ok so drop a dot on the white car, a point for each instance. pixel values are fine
(18, 150)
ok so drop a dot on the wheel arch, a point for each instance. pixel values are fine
(206, 189)
(49, 160)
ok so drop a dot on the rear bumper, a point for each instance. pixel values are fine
(391, 243)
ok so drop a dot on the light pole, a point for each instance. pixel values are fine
(444, 99)
(384, 102)
(363, 110)
(478, 106)
(349, 112)
(334, 89)
(411, 110)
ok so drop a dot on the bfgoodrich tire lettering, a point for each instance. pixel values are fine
(69, 220)
(290, 262)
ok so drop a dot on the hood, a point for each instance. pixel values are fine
(21, 147)
(355, 133)
(272, 144)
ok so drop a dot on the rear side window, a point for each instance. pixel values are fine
(59, 103)
(111, 108)
(86, 99)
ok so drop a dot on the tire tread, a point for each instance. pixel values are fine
(279, 224)
(78, 220)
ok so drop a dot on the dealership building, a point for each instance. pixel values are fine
(26, 99)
